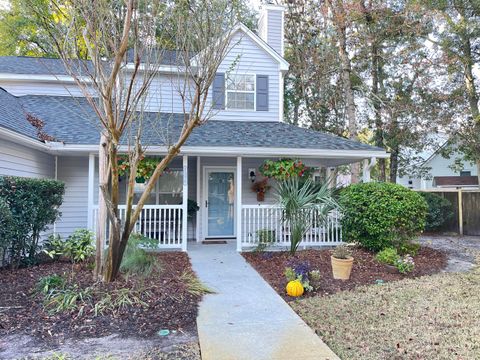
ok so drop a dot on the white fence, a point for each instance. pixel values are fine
(266, 221)
(159, 222)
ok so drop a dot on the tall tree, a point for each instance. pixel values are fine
(396, 69)
(313, 95)
(340, 22)
(458, 36)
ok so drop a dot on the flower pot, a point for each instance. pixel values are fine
(391, 269)
(260, 196)
(341, 268)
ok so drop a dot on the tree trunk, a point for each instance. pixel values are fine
(393, 165)
(339, 20)
(102, 208)
(377, 106)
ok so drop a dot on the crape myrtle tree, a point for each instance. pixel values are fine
(122, 42)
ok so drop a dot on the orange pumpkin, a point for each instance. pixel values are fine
(295, 288)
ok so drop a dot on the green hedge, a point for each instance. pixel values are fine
(381, 215)
(440, 211)
(32, 206)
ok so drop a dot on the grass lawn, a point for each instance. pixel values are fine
(431, 317)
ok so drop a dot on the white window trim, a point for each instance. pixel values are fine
(242, 91)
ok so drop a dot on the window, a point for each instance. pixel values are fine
(168, 189)
(465, 173)
(240, 92)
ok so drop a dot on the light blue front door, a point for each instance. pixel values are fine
(220, 203)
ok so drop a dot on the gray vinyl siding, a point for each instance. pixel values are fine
(19, 160)
(251, 59)
(73, 171)
(274, 35)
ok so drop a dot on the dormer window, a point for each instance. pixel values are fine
(240, 92)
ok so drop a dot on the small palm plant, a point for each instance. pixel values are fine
(299, 199)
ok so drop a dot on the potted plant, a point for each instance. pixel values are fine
(261, 187)
(342, 262)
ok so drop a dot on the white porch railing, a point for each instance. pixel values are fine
(159, 222)
(266, 221)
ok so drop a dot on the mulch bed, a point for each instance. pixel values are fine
(366, 270)
(170, 305)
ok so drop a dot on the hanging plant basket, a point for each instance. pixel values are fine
(145, 168)
(260, 196)
(285, 168)
(261, 187)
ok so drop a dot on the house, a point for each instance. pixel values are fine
(441, 172)
(216, 166)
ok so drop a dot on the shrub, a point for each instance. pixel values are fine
(440, 211)
(51, 282)
(409, 248)
(79, 246)
(387, 256)
(7, 229)
(66, 299)
(33, 205)
(54, 246)
(405, 264)
(299, 199)
(136, 261)
(380, 215)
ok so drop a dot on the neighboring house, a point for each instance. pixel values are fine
(217, 164)
(440, 173)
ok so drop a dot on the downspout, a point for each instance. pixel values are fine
(56, 178)
(367, 166)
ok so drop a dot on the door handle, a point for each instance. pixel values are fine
(206, 203)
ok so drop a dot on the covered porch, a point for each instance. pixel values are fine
(220, 182)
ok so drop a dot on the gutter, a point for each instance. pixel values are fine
(25, 140)
(222, 151)
(63, 79)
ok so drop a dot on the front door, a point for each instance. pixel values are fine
(220, 203)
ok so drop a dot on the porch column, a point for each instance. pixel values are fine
(239, 203)
(91, 180)
(199, 201)
(185, 203)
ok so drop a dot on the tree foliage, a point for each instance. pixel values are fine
(412, 74)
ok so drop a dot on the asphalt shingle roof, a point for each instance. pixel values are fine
(12, 115)
(51, 66)
(72, 121)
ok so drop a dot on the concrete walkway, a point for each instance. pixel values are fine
(246, 319)
(462, 250)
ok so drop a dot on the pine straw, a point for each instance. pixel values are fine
(432, 317)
